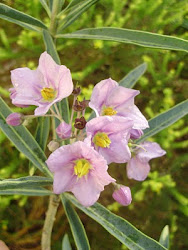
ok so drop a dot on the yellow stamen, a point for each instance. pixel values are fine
(102, 140)
(109, 111)
(81, 167)
(48, 94)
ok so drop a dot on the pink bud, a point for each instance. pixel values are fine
(64, 130)
(14, 119)
(122, 195)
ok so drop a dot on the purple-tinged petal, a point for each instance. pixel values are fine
(64, 180)
(100, 93)
(88, 190)
(121, 97)
(109, 124)
(137, 170)
(62, 156)
(134, 113)
(27, 83)
(13, 94)
(136, 133)
(122, 195)
(118, 151)
(56, 76)
(152, 150)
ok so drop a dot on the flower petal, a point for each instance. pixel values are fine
(152, 150)
(64, 180)
(121, 97)
(55, 76)
(134, 113)
(137, 170)
(27, 83)
(118, 151)
(100, 93)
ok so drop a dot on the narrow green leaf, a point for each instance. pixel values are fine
(24, 25)
(45, 6)
(164, 120)
(66, 243)
(73, 3)
(130, 80)
(18, 16)
(118, 227)
(41, 136)
(23, 140)
(164, 237)
(26, 191)
(141, 38)
(76, 12)
(42, 131)
(50, 46)
(76, 225)
(25, 182)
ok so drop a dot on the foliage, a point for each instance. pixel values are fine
(164, 80)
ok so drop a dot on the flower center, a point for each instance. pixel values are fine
(109, 111)
(81, 167)
(48, 94)
(102, 140)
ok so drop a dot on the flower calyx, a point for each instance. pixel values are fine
(80, 106)
(80, 123)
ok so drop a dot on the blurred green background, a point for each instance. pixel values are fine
(161, 198)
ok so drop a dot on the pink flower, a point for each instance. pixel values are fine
(64, 130)
(138, 167)
(14, 119)
(78, 168)
(122, 195)
(43, 87)
(109, 136)
(108, 98)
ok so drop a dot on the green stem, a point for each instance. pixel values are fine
(53, 23)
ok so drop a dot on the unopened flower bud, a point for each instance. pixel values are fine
(53, 145)
(80, 123)
(64, 130)
(122, 195)
(15, 119)
(76, 91)
(80, 106)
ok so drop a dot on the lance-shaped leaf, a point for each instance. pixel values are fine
(25, 182)
(23, 140)
(66, 243)
(45, 6)
(132, 77)
(118, 227)
(35, 191)
(164, 237)
(19, 17)
(164, 120)
(141, 38)
(76, 12)
(76, 225)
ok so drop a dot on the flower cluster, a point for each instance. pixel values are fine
(81, 166)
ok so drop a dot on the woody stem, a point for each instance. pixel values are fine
(49, 221)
